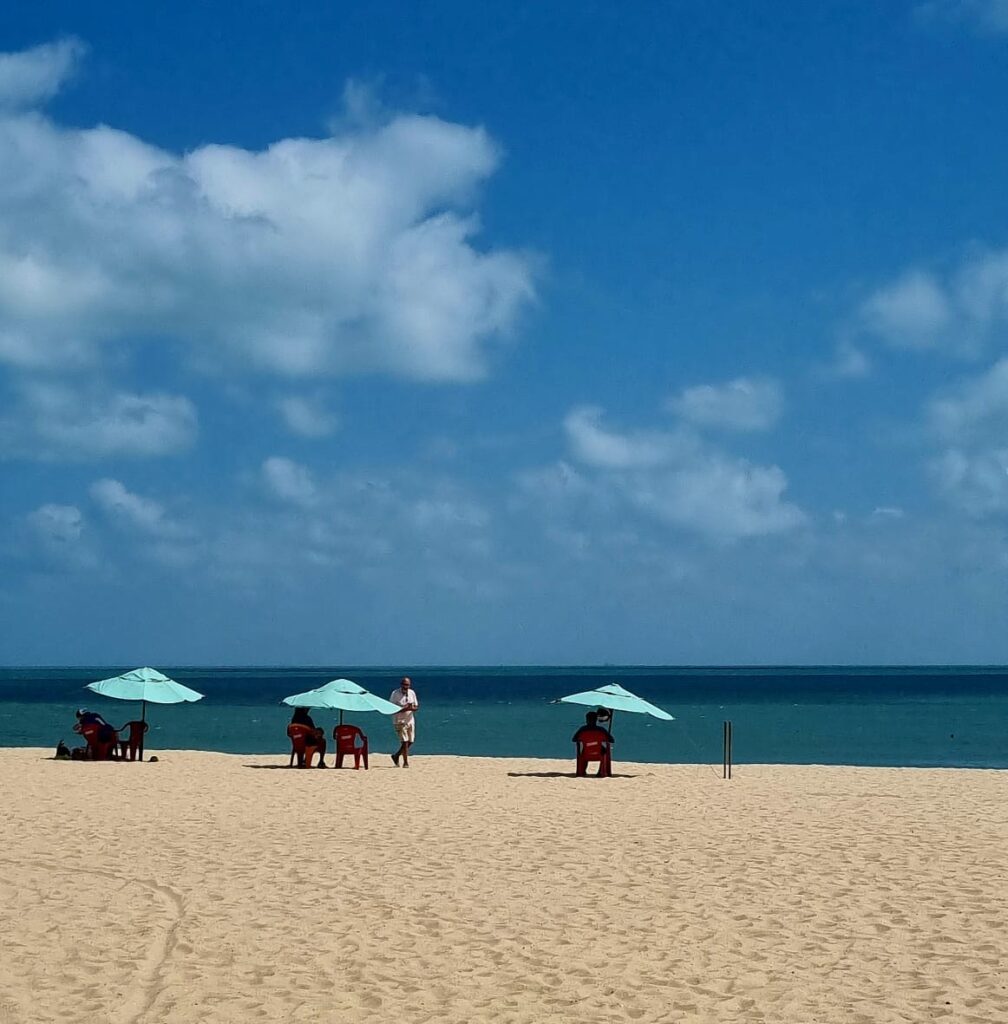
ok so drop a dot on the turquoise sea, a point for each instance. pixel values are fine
(920, 716)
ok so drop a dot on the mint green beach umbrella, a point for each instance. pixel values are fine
(146, 685)
(341, 695)
(615, 698)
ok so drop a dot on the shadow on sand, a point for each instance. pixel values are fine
(563, 775)
(328, 767)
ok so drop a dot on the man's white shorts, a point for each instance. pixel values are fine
(406, 731)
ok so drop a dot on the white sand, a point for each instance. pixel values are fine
(209, 888)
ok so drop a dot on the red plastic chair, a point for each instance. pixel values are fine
(346, 737)
(99, 749)
(304, 744)
(129, 748)
(593, 745)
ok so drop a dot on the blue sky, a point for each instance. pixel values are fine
(518, 333)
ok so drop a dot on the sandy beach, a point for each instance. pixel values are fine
(226, 888)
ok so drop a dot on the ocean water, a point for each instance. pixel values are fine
(928, 717)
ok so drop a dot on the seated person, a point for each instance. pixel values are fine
(592, 724)
(100, 731)
(591, 729)
(301, 717)
(106, 733)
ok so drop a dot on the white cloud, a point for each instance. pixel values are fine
(288, 481)
(448, 513)
(34, 76)
(59, 524)
(848, 363)
(988, 15)
(887, 512)
(51, 421)
(58, 534)
(976, 482)
(142, 514)
(961, 314)
(912, 312)
(677, 479)
(971, 421)
(556, 483)
(977, 409)
(746, 403)
(595, 446)
(353, 253)
(721, 497)
(307, 416)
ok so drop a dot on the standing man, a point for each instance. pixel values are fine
(403, 721)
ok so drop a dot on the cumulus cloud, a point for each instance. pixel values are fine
(975, 482)
(57, 533)
(132, 510)
(593, 445)
(971, 421)
(743, 404)
(352, 253)
(977, 409)
(960, 313)
(33, 76)
(288, 481)
(307, 416)
(52, 421)
(60, 524)
(676, 478)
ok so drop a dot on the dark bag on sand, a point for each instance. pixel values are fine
(62, 751)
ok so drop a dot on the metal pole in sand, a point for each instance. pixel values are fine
(143, 728)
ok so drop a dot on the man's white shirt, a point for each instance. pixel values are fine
(407, 701)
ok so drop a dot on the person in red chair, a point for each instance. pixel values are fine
(350, 742)
(102, 739)
(315, 737)
(593, 744)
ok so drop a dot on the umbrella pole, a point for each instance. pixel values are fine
(340, 716)
(143, 719)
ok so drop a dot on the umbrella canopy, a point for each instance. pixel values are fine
(145, 684)
(614, 697)
(342, 695)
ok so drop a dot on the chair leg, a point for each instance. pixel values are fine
(364, 755)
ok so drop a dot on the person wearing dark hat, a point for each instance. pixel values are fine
(106, 732)
(85, 717)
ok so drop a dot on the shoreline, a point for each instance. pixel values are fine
(45, 753)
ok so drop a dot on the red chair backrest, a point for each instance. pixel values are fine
(590, 743)
(346, 738)
(300, 735)
(92, 733)
(136, 730)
